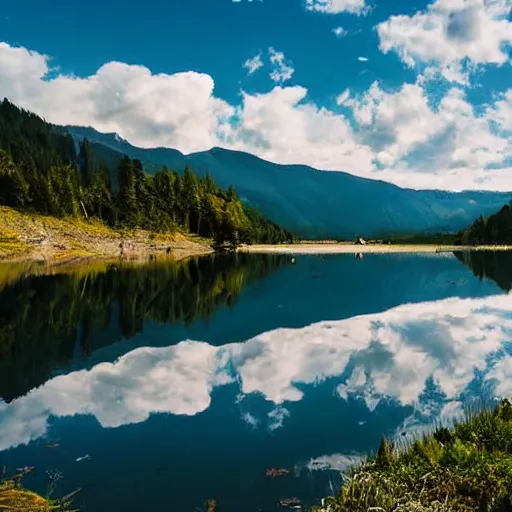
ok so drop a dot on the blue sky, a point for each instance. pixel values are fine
(437, 76)
(210, 36)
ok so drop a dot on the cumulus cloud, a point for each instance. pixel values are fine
(410, 137)
(252, 65)
(455, 35)
(282, 69)
(390, 356)
(501, 111)
(337, 6)
(396, 136)
(280, 126)
(142, 107)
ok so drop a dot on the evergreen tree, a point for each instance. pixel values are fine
(13, 187)
(127, 198)
(495, 229)
(40, 171)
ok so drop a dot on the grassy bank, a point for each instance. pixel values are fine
(466, 468)
(14, 498)
(26, 236)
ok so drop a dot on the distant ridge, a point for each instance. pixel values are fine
(312, 203)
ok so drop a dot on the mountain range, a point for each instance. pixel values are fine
(309, 202)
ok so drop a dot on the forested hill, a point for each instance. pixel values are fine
(494, 229)
(313, 203)
(41, 170)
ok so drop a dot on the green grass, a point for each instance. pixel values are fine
(10, 244)
(466, 468)
(14, 498)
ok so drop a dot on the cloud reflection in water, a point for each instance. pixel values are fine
(392, 356)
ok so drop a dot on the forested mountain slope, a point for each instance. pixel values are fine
(318, 204)
(42, 171)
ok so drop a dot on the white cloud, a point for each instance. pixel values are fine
(252, 65)
(410, 138)
(362, 59)
(391, 356)
(414, 144)
(281, 127)
(282, 68)
(455, 35)
(343, 97)
(337, 6)
(339, 31)
(501, 111)
(146, 109)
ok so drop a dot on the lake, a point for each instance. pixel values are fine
(162, 386)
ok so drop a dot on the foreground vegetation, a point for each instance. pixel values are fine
(15, 498)
(467, 468)
(40, 171)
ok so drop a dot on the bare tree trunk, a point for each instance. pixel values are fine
(85, 211)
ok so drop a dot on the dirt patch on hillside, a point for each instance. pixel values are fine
(25, 236)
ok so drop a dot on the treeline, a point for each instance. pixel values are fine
(41, 171)
(425, 239)
(494, 229)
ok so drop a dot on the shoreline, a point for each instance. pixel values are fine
(144, 252)
(58, 259)
(26, 237)
(343, 248)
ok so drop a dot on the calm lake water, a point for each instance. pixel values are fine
(165, 385)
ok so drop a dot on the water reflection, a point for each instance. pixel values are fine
(495, 265)
(52, 322)
(301, 372)
(393, 355)
(42, 318)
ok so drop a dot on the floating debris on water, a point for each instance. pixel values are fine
(293, 503)
(25, 470)
(273, 472)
